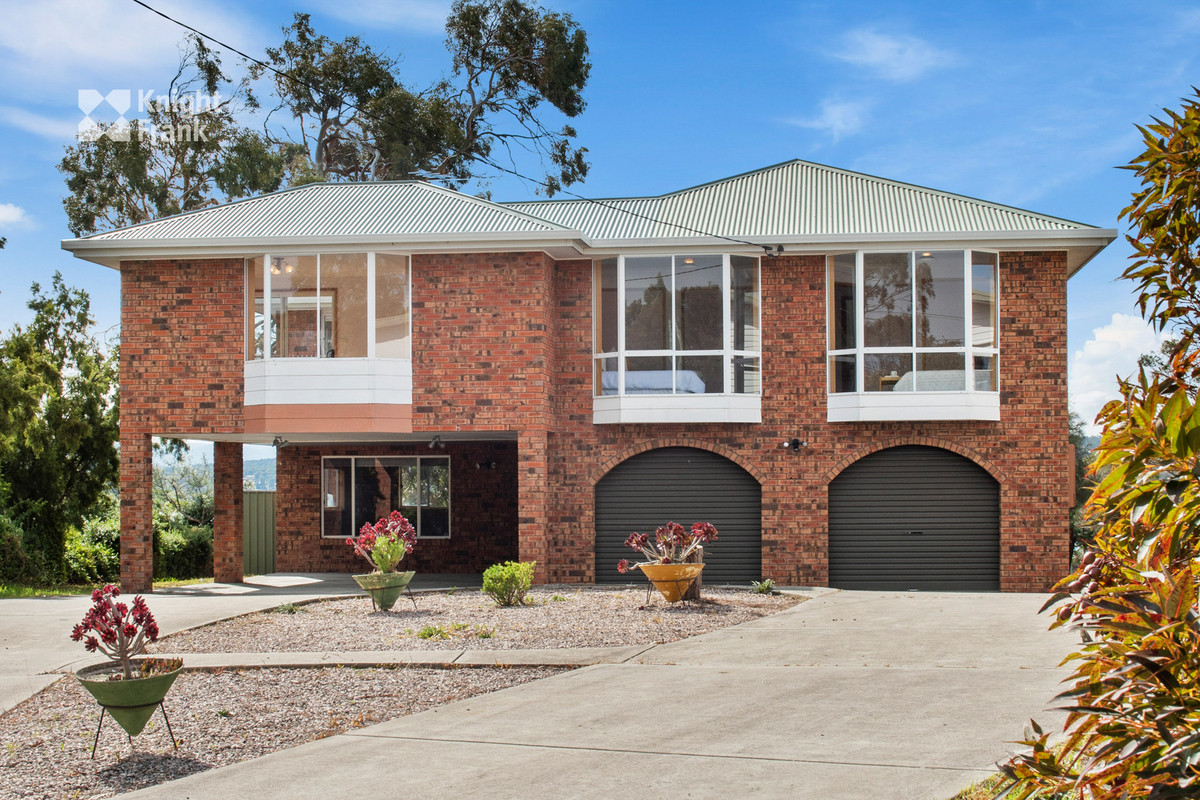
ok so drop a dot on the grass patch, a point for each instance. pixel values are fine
(8, 590)
(11, 590)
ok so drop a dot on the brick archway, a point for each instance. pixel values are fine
(927, 441)
(673, 441)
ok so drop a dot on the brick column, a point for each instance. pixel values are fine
(137, 513)
(533, 494)
(227, 512)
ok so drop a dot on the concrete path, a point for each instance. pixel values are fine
(35, 632)
(849, 695)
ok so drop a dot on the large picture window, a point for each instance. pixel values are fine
(918, 321)
(328, 305)
(357, 490)
(683, 324)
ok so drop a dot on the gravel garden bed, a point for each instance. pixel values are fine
(554, 617)
(225, 716)
(219, 718)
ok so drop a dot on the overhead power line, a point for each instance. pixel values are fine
(417, 135)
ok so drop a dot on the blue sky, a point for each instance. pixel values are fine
(1031, 104)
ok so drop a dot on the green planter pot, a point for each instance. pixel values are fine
(384, 587)
(129, 702)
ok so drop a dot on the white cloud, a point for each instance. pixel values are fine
(13, 216)
(1112, 351)
(57, 129)
(425, 16)
(838, 118)
(893, 57)
(55, 41)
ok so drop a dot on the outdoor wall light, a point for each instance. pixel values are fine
(793, 444)
(437, 443)
(485, 465)
(279, 441)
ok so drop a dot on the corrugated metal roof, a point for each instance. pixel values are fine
(340, 209)
(796, 198)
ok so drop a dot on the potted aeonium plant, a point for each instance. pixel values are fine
(122, 632)
(666, 554)
(384, 545)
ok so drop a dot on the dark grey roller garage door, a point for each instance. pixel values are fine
(914, 518)
(684, 485)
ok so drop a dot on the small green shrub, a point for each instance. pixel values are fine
(507, 583)
(289, 608)
(765, 586)
(183, 552)
(484, 632)
(557, 598)
(433, 632)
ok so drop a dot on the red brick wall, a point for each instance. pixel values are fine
(1027, 451)
(228, 542)
(483, 512)
(182, 357)
(483, 359)
(181, 374)
(503, 342)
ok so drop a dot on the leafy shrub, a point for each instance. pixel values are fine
(765, 586)
(1133, 727)
(87, 562)
(104, 529)
(507, 583)
(15, 564)
(183, 552)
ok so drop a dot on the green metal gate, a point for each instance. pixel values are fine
(258, 532)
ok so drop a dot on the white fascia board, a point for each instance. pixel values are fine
(1081, 245)
(111, 252)
(814, 243)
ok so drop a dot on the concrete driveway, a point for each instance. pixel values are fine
(849, 695)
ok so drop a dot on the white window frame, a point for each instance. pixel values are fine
(353, 510)
(727, 352)
(268, 332)
(861, 405)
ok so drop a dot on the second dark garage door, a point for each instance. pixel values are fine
(914, 518)
(684, 485)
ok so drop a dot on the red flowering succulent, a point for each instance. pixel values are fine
(672, 544)
(116, 629)
(385, 543)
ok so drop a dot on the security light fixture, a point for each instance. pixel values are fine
(793, 444)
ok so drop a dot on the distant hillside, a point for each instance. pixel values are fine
(259, 474)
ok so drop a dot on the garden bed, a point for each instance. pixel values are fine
(219, 718)
(554, 617)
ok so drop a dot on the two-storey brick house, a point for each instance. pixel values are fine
(861, 382)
